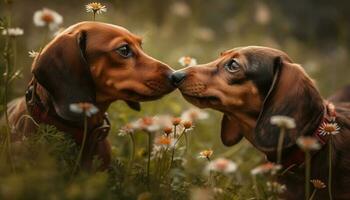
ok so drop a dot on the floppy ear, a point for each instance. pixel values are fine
(63, 71)
(231, 132)
(134, 105)
(292, 93)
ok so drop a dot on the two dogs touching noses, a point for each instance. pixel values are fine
(100, 63)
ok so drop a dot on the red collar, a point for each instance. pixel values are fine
(297, 157)
(41, 114)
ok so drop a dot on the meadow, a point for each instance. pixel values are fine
(170, 149)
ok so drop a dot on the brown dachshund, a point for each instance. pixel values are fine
(252, 84)
(89, 62)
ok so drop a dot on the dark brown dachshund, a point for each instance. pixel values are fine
(89, 62)
(252, 84)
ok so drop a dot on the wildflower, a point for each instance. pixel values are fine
(329, 128)
(47, 17)
(187, 61)
(188, 125)
(126, 130)
(152, 124)
(222, 165)
(164, 142)
(168, 130)
(14, 32)
(276, 187)
(262, 14)
(283, 121)
(180, 9)
(96, 8)
(194, 114)
(176, 121)
(308, 143)
(33, 54)
(266, 168)
(206, 154)
(318, 184)
(163, 120)
(87, 108)
(145, 123)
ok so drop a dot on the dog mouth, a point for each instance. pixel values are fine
(138, 96)
(202, 98)
(202, 101)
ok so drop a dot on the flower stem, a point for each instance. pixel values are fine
(94, 15)
(78, 161)
(186, 142)
(149, 157)
(280, 145)
(133, 147)
(132, 155)
(330, 167)
(313, 194)
(6, 87)
(256, 189)
(174, 148)
(307, 174)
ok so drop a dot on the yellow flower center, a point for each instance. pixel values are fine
(163, 140)
(85, 106)
(329, 128)
(187, 60)
(221, 164)
(187, 124)
(207, 153)
(95, 6)
(47, 17)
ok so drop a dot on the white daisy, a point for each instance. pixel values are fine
(87, 108)
(47, 17)
(194, 114)
(331, 128)
(318, 184)
(283, 121)
(165, 142)
(266, 168)
(96, 8)
(126, 130)
(14, 32)
(276, 187)
(187, 61)
(206, 154)
(308, 143)
(180, 9)
(188, 125)
(222, 165)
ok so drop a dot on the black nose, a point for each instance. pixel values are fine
(177, 77)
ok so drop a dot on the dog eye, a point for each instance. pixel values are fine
(125, 51)
(232, 65)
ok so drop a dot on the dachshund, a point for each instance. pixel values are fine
(251, 84)
(90, 62)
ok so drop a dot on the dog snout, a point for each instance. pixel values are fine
(177, 78)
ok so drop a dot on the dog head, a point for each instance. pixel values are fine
(249, 85)
(99, 63)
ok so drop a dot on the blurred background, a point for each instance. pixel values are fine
(314, 33)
